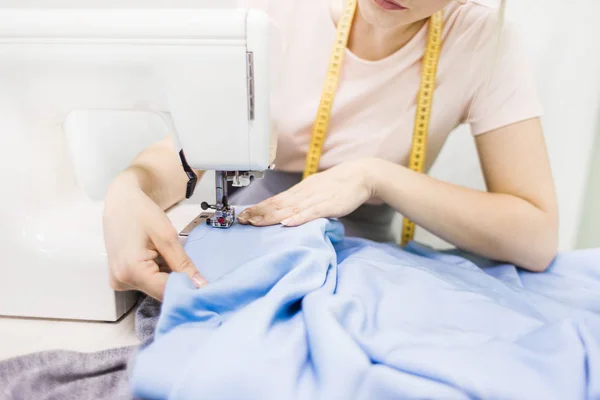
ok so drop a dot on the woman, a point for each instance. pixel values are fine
(364, 177)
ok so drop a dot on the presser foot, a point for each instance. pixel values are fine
(216, 219)
(222, 218)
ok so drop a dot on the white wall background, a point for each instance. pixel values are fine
(589, 234)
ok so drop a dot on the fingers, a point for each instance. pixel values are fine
(281, 207)
(144, 276)
(173, 253)
(255, 215)
(271, 213)
(150, 280)
(307, 215)
(268, 217)
(117, 280)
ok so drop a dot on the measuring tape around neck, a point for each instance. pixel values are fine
(315, 148)
(424, 98)
(418, 150)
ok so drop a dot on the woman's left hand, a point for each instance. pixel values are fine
(330, 194)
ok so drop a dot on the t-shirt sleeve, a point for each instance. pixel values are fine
(507, 91)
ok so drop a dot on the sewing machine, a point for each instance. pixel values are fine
(83, 92)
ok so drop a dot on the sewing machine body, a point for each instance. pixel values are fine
(83, 91)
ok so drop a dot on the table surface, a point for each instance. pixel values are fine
(19, 336)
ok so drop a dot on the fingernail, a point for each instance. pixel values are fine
(198, 280)
(286, 222)
(244, 215)
(257, 219)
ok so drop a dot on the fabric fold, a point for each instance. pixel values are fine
(303, 313)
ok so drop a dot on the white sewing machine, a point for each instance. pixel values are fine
(80, 89)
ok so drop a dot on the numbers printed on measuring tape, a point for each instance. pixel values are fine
(418, 151)
(424, 99)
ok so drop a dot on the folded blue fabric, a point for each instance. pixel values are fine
(304, 313)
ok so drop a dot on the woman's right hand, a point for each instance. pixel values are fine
(141, 243)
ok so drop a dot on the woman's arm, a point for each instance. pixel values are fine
(136, 229)
(515, 221)
(157, 172)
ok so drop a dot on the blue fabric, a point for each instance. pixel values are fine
(303, 313)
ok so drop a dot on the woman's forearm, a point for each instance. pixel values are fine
(157, 172)
(497, 226)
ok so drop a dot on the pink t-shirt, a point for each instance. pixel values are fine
(374, 108)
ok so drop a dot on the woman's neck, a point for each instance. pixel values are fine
(371, 43)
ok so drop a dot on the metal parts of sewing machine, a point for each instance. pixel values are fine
(83, 92)
(223, 215)
(232, 162)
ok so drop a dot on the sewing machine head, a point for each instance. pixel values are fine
(205, 72)
(85, 90)
(224, 94)
(229, 103)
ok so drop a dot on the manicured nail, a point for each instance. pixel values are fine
(244, 215)
(198, 280)
(286, 222)
(257, 219)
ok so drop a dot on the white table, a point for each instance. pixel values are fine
(19, 336)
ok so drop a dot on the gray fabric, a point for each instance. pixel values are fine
(66, 375)
(69, 375)
(369, 221)
(146, 317)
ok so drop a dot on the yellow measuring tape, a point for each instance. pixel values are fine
(315, 148)
(424, 98)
